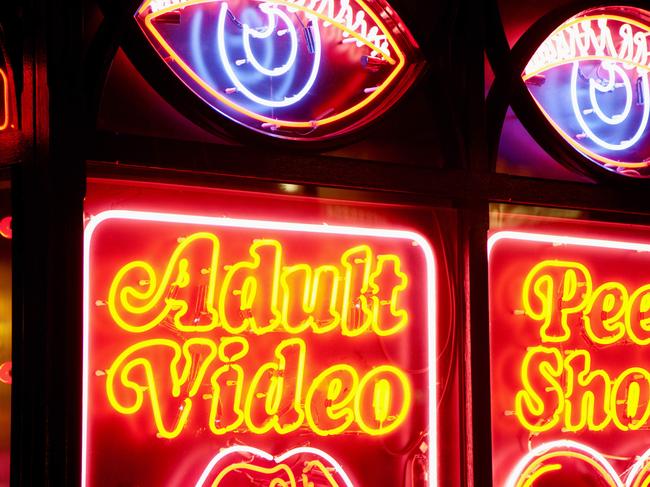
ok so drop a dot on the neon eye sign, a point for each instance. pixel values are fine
(571, 384)
(292, 69)
(590, 80)
(221, 350)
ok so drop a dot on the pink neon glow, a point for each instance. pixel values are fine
(324, 229)
(279, 459)
(564, 240)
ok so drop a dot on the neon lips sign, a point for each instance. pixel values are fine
(590, 80)
(571, 384)
(232, 350)
(293, 69)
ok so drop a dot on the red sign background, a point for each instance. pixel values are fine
(127, 445)
(570, 380)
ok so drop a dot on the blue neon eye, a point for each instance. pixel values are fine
(295, 69)
(590, 80)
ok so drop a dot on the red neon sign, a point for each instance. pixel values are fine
(291, 69)
(571, 383)
(228, 348)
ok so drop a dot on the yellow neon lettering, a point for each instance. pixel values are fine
(533, 404)
(635, 399)
(338, 394)
(586, 389)
(356, 313)
(335, 400)
(147, 308)
(392, 320)
(359, 294)
(228, 417)
(136, 357)
(257, 287)
(638, 326)
(276, 374)
(551, 285)
(569, 394)
(383, 401)
(606, 307)
(312, 311)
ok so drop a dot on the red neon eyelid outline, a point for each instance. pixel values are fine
(309, 228)
(277, 459)
(5, 82)
(283, 123)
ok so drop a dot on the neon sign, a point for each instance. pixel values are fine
(228, 345)
(598, 61)
(573, 380)
(292, 69)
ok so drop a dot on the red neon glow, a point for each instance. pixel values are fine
(5, 227)
(572, 381)
(210, 331)
(4, 88)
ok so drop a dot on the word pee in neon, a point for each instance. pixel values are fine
(597, 64)
(235, 331)
(577, 378)
(293, 69)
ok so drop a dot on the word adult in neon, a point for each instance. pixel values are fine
(564, 389)
(359, 294)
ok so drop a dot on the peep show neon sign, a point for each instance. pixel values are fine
(590, 79)
(294, 69)
(239, 343)
(572, 384)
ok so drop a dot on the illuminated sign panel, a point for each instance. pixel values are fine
(590, 79)
(291, 69)
(570, 330)
(223, 351)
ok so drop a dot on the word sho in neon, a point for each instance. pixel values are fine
(598, 62)
(288, 68)
(573, 393)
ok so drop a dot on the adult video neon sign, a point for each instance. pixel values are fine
(573, 381)
(237, 340)
(590, 80)
(292, 69)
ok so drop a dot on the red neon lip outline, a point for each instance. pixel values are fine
(384, 45)
(406, 237)
(246, 458)
(544, 460)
